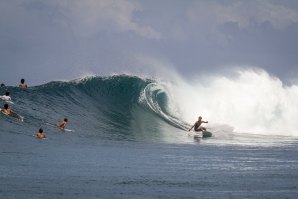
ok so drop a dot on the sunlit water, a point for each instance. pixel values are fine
(70, 166)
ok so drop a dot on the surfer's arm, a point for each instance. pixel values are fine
(204, 121)
(61, 128)
(60, 125)
(14, 114)
(191, 128)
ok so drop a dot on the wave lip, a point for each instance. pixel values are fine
(155, 97)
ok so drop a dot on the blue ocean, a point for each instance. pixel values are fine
(130, 140)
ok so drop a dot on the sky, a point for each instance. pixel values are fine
(46, 40)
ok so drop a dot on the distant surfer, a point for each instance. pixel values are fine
(62, 124)
(5, 97)
(7, 111)
(40, 134)
(23, 84)
(197, 125)
(2, 85)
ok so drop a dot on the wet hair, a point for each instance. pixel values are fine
(200, 117)
(7, 93)
(6, 106)
(22, 81)
(65, 119)
(40, 130)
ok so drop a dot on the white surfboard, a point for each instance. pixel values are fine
(200, 134)
(197, 134)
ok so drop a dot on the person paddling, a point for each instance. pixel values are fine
(198, 124)
(62, 124)
(40, 134)
(7, 111)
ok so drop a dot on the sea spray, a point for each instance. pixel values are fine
(251, 102)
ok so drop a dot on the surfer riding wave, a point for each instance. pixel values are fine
(197, 125)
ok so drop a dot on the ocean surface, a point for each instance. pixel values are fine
(130, 142)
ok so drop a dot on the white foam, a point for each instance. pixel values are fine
(250, 102)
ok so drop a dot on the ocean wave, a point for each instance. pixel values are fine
(115, 107)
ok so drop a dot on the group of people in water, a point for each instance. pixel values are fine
(61, 125)
(7, 111)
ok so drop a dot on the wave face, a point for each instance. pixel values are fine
(116, 107)
(133, 108)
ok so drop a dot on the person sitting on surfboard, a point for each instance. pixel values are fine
(40, 134)
(62, 124)
(7, 111)
(23, 84)
(198, 124)
(5, 97)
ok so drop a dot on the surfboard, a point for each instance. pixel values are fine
(21, 118)
(207, 134)
(9, 101)
(6, 99)
(39, 138)
(55, 126)
(200, 134)
(3, 112)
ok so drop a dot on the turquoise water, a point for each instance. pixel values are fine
(128, 144)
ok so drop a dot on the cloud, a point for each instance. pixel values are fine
(89, 17)
(211, 14)
(60, 39)
(99, 15)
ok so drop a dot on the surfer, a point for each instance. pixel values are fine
(198, 124)
(62, 124)
(23, 84)
(7, 111)
(5, 97)
(40, 134)
(2, 85)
